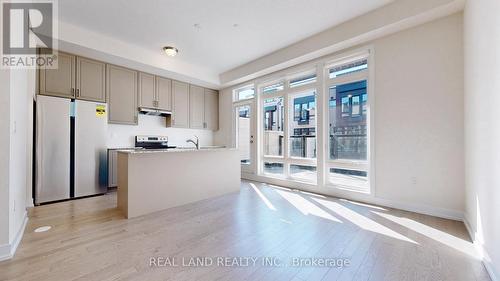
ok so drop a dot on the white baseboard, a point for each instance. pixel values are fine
(483, 254)
(421, 209)
(7, 251)
(489, 266)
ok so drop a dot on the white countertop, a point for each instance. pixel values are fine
(173, 150)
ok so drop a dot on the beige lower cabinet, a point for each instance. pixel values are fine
(196, 107)
(211, 110)
(180, 105)
(59, 82)
(121, 91)
(112, 168)
(90, 80)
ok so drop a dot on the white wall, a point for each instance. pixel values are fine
(482, 129)
(18, 138)
(19, 161)
(122, 136)
(419, 115)
(15, 163)
(418, 120)
(4, 160)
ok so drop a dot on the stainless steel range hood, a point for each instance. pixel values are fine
(154, 112)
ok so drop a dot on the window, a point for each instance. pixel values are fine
(355, 108)
(348, 136)
(273, 126)
(348, 139)
(288, 129)
(352, 179)
(273, 88)
(311, 78)
(273, 168)
(348, 128)
(243, 126)
(302, 130)
(303, 172)
(244, 93)
(348, 68)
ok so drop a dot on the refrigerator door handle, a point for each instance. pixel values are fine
(39, 145)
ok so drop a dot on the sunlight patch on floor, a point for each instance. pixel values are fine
(360, 220)
(263, 197)
(438, 235)
(305, 206)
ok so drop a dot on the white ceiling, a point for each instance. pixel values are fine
(263, 26)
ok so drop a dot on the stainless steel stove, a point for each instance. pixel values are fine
(152, 142)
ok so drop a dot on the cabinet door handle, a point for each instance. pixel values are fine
(72, 91)
(77, 93)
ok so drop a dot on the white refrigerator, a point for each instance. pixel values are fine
(71, 155)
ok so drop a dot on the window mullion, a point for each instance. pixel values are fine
(286, 130)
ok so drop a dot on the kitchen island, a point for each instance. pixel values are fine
(154, 180)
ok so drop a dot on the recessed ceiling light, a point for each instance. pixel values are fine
(170, 51)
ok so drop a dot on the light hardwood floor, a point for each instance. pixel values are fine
(90, 240)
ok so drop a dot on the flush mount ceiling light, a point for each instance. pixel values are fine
(170, 51)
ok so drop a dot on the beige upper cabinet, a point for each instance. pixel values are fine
(180, 104)
(196, 107)
(90, 80)
(211, 110)
(164, 93)
(147, 95)
(59, 82)
(121, 89)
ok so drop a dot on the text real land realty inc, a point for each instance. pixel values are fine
(246, 262)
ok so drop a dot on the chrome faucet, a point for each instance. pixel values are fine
(196, 143)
